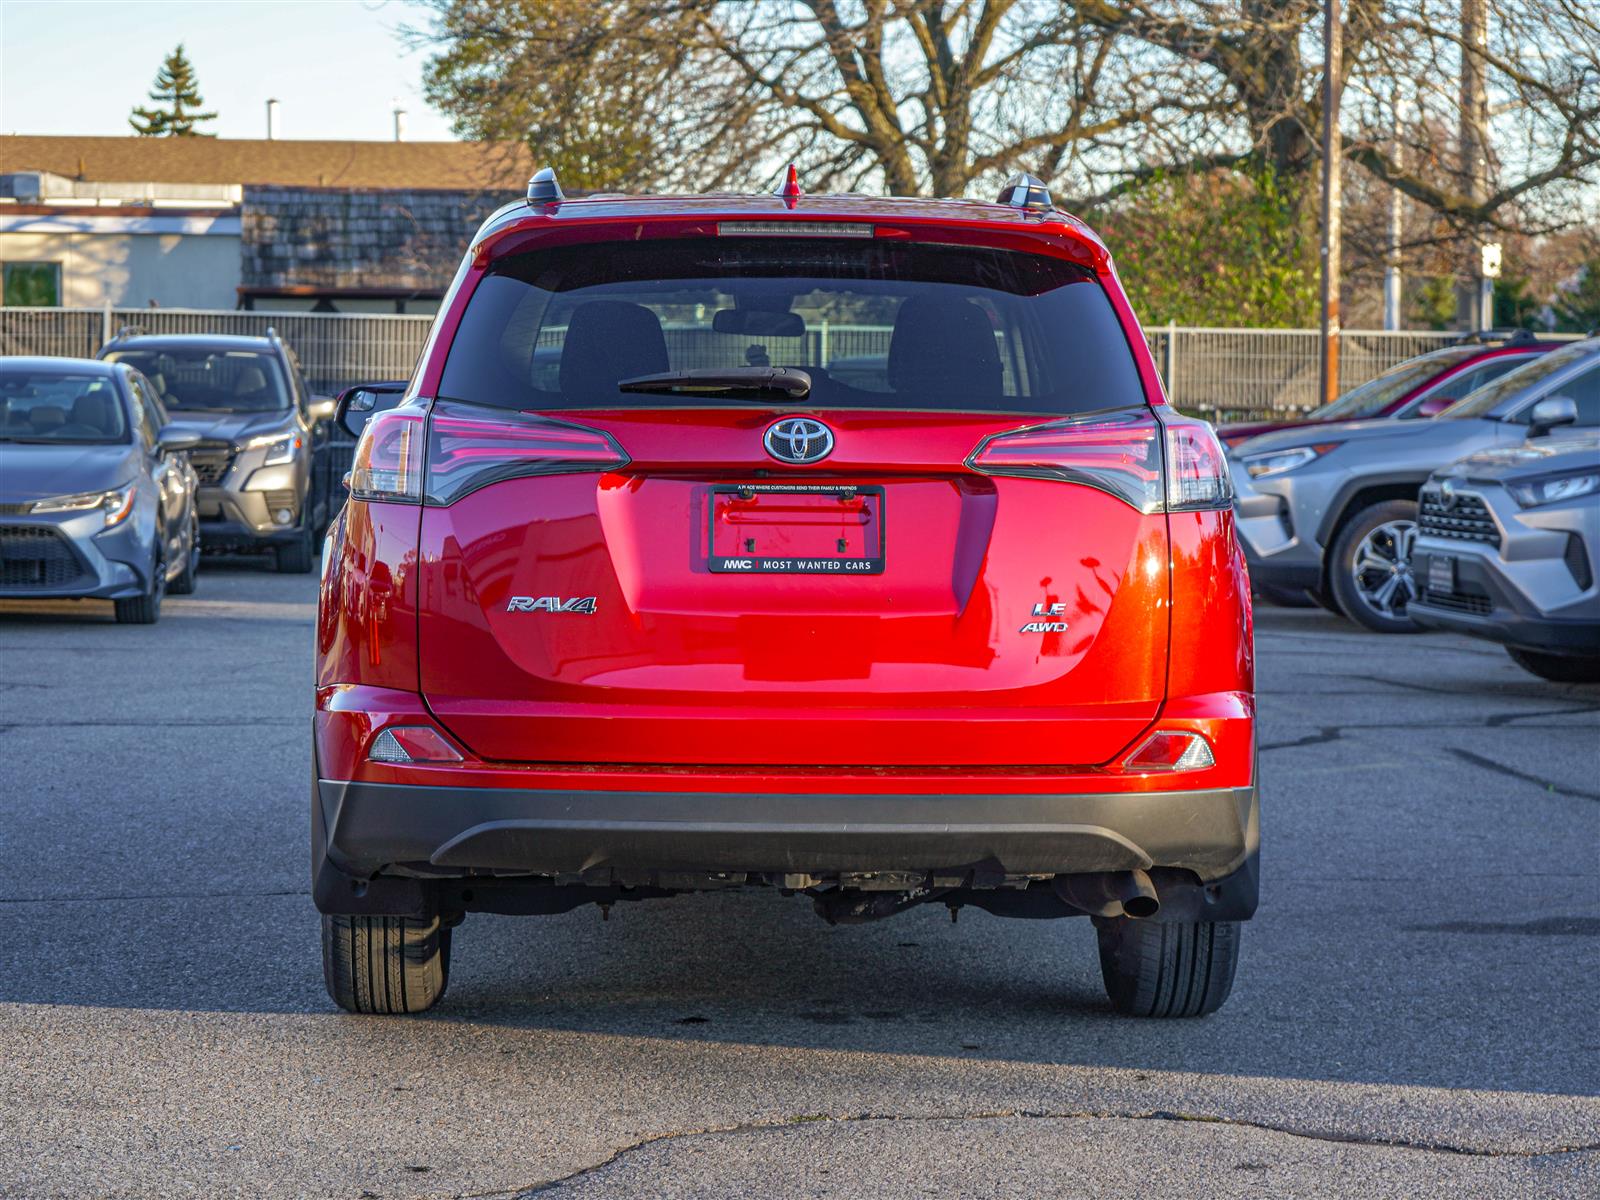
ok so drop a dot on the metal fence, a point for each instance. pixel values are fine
(1219, 373)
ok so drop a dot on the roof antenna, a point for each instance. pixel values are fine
(790, 189)
(544, 188)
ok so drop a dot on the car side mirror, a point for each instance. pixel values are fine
(1551, 413)
(171, 441)
(1434, 405)
(358, 405)
(321, 409)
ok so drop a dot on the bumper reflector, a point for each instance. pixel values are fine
(411, 743)
(1170, 750)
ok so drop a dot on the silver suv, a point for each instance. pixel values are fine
(1506, 550)
(262, 437)
(1332, 508)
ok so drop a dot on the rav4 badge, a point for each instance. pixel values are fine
(554, 604)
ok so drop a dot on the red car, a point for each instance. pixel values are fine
(1423, 386)
(632, 598)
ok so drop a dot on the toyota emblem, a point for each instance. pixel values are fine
(798, 440)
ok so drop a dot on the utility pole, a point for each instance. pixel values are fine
(1332, 152)
(1392, 279)
(1475, 296)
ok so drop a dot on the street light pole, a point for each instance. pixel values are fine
(1332, 152)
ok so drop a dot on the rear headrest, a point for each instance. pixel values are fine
(250, 379)
(609, 340)
(47, 416)
(943, 350)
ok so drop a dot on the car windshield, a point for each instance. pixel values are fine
(1372, 397)
(1490, 396)
(874, 323)
(200, 380)
(60, 406)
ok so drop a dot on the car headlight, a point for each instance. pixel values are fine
(1555, 488)
(1276, 462)
(281, 447)
(116, 504)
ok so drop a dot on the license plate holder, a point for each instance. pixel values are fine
(1442, 573)
(795, 529)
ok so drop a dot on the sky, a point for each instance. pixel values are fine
(336, 67)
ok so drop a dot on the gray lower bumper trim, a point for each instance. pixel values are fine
(372, 826)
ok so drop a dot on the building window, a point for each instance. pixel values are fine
(32, 285)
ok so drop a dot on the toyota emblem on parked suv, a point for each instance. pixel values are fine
(798, 440)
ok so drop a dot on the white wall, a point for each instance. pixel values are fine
(174, 270)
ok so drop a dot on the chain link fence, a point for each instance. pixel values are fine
(1221, 374)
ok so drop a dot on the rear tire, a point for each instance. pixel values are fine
(1558, 668)
(1167, 969)
(385, 965)
(145, 609)
(1369, 567)
(294, 558)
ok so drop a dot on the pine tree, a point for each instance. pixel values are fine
(176, 88)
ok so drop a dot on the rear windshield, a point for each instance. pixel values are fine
(51, 406)
(1372, 397)
(876, 324)
(192, 379)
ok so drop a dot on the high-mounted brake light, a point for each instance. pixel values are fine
(388, 458)
(470, 448)
(411, 743)
(1172, 751)
(1174, 464)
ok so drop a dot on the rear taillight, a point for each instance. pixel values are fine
(1120, 454)
(412, 743)
(388, 458)
(469, 448)
(1172, 750)
(1175, 464)
(1197, 467)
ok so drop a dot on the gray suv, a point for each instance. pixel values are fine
(262, 434)
(1507, 547)
(1332, 508)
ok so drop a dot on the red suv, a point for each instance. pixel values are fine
(1423, 386)
(632, 597)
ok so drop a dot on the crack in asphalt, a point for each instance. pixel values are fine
(1156, 1114)
(1500, 768)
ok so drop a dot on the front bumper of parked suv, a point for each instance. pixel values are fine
(1523, 577)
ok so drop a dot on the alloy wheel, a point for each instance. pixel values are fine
(1382, 568)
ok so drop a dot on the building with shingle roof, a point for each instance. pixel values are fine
(252, 223)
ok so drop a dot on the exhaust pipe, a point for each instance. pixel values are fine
(1110, 893)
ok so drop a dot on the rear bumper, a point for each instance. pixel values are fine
(617, 838)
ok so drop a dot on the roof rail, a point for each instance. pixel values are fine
(128, 331)
(544, 188)
(1026, 191)
(1500, 335)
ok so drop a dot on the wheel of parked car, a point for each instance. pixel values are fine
(1559, 668)
(294, 558)
(183, 583)
(385, 965)
(1285, 597)
(145, 609)
(1369, 570)
(1167, 969)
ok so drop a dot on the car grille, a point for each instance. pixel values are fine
(36, 556)
(211, 461)
(1457, 602)
(1467, 520)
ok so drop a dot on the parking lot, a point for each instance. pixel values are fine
(1415, 1013)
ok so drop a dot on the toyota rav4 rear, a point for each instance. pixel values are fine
(635, 595)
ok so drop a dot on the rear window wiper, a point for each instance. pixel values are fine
(781, 383)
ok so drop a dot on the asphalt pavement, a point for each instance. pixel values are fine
(1415, 1012)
